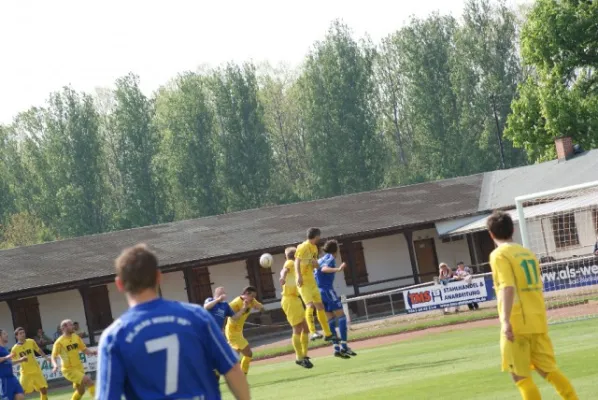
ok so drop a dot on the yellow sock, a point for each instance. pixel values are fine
(562, 385)
(43, 396)
(323, 319)
(528, 389)
(245, 364)
(309, 317)
(298, 346)
(304, 343)
(76, 396)
(92, 391)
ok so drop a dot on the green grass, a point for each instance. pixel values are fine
(458, 365)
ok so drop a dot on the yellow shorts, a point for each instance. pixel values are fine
(293, 309)
(527, 352)
(310, 294)
(33, 382)
(236, 340)
(75, 376)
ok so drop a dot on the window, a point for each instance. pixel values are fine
(199, 285)
(25, 314)
(361, 272)
(99, 313)
(261, 278)
(565, 231)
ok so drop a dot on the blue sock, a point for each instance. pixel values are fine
(342, 327)
(332, 325)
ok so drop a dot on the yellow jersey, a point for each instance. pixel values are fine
(237, 305)
(27, 349)
(290, 285)
(514, 265)
(306, 252)
(68, 348)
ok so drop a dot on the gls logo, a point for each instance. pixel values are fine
(425, 296)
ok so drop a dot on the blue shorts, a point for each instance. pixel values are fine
(330, 300)
(9, 387)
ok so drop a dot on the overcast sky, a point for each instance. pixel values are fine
(45, 44)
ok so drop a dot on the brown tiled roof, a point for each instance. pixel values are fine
(215, 238)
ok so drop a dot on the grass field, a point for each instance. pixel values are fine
(460, 364)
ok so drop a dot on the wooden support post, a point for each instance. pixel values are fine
(409, 238)
(84, 291)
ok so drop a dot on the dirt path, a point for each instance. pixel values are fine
(386, 340)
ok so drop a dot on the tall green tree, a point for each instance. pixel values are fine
(338, 98)
(186, 120)
(245, 152)
(136, 146)
(559, 42)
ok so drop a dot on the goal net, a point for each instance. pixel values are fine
(561, 227)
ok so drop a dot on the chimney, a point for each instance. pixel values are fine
(564, 148)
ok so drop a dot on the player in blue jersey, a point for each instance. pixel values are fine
(332, 303)
(10, 388)
(219, 308)
(161, 349)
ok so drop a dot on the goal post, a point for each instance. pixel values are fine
(561, 227)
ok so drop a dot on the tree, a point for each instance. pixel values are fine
(24, 229)
(245, 152)
(185, 118)
(345, 149)
(560, 98)
(137, 141)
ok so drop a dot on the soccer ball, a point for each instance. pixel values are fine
(266, 260)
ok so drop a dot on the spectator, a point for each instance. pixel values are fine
(463, 273)
(58, 333)
(43, 341)
(80, 333)
(596, 247)
(445, 277)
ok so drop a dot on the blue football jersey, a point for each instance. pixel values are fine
(323, 279)
(162, 350)
(6, 366)
(220, 311)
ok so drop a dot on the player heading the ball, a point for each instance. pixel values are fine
(524, 341)
(161, 349)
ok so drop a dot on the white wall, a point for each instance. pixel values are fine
(6, 322)
(56, 307)
(232, 276)
(118, 303)
(173, 286)
(450, 252)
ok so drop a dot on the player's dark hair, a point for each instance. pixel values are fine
(500, 224)
(313, 233)
(137, 268)
(330, 247)
(289, 253)
(249, 289)
(19, 329)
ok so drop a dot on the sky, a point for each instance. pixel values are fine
(45, 45)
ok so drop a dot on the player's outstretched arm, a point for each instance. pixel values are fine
(210, 303)
(8, 357)
(332, 270)
(237, 383)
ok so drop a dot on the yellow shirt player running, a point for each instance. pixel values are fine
(31, 376)
(67, 347)
(234, 327)
(306, 260)
(524, 341)
(293, 309)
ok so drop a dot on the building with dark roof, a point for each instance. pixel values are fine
(390, 238)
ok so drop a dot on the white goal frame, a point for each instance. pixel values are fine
(520, 201)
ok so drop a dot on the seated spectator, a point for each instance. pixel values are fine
(463, 273)
(58, 333)
(43, 341)
(81, 333)
(445, 276)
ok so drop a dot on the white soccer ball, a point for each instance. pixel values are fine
(266, 260)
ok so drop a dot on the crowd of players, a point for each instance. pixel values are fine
(161, 349)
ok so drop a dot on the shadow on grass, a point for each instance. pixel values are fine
(410, 366)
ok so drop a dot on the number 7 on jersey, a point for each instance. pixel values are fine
(170, 344)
